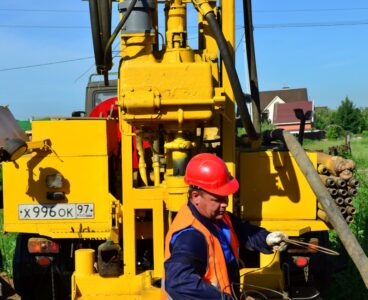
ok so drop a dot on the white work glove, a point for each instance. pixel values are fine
(276, 240)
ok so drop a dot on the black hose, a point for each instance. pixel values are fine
(104, 7)
(97, 45)
(114, 35)
(233, 76)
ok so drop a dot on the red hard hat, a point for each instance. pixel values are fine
(210, 173)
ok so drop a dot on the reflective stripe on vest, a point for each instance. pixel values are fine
(216, 273)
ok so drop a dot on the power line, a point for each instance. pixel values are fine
(43, 10)
(260, 26)
(93, 65)
(303, 25)
(44, 26)
(45, 64)
(310, 10)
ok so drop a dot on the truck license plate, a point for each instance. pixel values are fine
(56, 211)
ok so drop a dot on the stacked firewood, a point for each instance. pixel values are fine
(336, 174)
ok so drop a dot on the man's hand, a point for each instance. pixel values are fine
(276, 240)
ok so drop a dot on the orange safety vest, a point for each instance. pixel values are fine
(216, 273)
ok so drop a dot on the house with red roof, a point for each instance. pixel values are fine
(278, 107)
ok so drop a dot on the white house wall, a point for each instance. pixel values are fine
(271, 107)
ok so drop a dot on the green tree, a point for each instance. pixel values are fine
(364, 112)
(323, 117)
(334, 131)
(349, 117)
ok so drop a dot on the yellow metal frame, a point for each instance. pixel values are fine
(79, 151)
(176, 92)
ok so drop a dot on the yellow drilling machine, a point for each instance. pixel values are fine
(92, 198)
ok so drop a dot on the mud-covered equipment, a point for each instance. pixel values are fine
(209, 172)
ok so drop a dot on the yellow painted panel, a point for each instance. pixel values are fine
(274, 188)
(136, 287)
(85, 182)
(171, 80)
(76, 137)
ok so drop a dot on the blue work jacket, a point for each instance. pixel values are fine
(188, 261)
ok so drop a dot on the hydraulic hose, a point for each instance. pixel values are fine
(114, 35)
(105, 7)
(95, 25)
(333, 213)
(233, 76)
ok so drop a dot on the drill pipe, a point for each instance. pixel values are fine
(352, 182)
(348, 201)
(342, 192)
(339, 201)
(323, 170)
(349, 219)
(350, 210)
(333, 213)
(335, 164)
(333, 192)
(341, 183)
(327, 181)
(342, 209)
(352, 192)
(346, 174)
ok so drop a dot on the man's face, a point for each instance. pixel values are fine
(209, 205)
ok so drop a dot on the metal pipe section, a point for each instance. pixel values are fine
(328, 181)
(334, 215)
(141, 161)
(156, 162)
(353, 182)
(252, 68)
(112, 38)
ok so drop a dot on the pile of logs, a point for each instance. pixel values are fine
(336, 174)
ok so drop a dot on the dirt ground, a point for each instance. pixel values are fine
(7, 289)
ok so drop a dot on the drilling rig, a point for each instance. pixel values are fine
(92, 221)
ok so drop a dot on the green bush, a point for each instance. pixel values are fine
(334, 132)
(7, 249)
(267, 126)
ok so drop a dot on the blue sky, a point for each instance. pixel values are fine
(323, 53)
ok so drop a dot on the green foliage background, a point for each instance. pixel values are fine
(347, 116)
(346, 281)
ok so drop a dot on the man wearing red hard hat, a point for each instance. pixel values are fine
(202, 245)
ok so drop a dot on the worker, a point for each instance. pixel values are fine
(202, 244)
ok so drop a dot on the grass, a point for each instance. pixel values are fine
(7, 247)
(7, 242)
(346, 280)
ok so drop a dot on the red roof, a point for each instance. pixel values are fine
(287, 95)
(284, 112)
